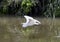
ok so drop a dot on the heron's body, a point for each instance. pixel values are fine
(30, 22)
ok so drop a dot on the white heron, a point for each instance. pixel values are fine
(30, 21)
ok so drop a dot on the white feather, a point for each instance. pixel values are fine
(30, 22)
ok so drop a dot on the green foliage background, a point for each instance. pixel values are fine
(25, 6)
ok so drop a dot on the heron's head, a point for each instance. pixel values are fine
(37, 22)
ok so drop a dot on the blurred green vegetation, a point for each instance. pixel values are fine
(21, 7)
(53, 8)
(58, 12)
(12, 31)
(26, 5)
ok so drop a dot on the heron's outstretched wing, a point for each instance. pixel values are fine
(28, 19)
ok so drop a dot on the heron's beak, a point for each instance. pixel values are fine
(39, 22)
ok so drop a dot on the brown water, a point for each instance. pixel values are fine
(12, 31)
